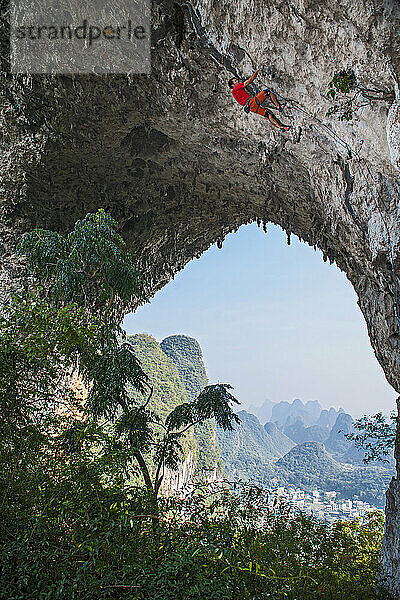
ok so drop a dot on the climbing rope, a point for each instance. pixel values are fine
(352, 152)
(228, 63)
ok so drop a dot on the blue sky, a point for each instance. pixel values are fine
(274, 321)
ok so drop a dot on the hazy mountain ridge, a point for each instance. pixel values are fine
(262, 412)
(309, 422)
(305, 446)
(308, 465)
(285, 413)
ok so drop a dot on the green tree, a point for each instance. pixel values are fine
(89, 276)
(89, 267)
(145, 431)
(376, 434)
(348, 95)
(64, 328)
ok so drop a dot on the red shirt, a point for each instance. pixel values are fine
(240, 94)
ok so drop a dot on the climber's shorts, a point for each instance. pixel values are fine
(254, 104)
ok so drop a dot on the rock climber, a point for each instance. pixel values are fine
(253, 103)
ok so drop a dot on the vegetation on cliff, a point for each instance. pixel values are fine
(167, 389)
(73, 525)
(185, 353)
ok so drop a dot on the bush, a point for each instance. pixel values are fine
(77, 538)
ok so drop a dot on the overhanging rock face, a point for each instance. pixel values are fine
(180, 165)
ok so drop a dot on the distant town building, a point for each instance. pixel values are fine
(323, 505)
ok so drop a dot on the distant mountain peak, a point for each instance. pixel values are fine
(284, 413)
(337, 443)
(263, 412)
(297, 402)
(271, 428)
(181, 343)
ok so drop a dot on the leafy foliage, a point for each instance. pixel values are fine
(186, 355)
(251, 548)
(168, 391)
(348, 95)
(78, 539)
(342, 84)
(90, 266)
(213, 402)
(88, 275)
(136, 424)
(376, 436)
(111, 372)
(37, 354)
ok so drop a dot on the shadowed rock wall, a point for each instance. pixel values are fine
(180, 165)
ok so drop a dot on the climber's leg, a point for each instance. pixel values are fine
(264, 112)
(274, 99)
(261, 96)
(277, 123)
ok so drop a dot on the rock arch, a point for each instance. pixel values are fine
(180, 165)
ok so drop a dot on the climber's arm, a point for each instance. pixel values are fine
(251, 79)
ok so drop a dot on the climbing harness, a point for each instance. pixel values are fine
(246, 107)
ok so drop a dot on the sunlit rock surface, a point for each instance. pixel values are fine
(180, 165)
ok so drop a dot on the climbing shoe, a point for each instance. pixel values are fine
(286, 128)
(282, 106)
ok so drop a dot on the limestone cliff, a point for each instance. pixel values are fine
(168, 392)
(186, 354)
(176, 373)
(180, 165)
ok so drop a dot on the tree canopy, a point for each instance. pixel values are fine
(74, 524)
